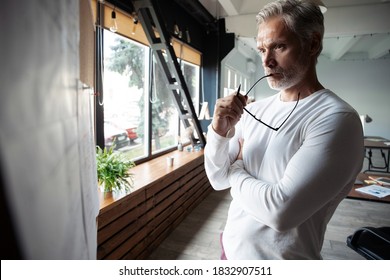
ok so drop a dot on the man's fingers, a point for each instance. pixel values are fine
(232, 105)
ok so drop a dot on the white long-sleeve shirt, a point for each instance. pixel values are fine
(290, 181)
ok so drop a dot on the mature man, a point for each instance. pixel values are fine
(289, 159)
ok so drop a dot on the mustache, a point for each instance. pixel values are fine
(273, 72)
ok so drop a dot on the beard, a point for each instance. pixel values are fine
(290, 76)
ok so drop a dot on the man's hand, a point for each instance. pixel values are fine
(227, 113)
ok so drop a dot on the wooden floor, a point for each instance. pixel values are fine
(197, 237)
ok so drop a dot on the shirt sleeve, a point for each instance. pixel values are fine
(325, 165)
(220, 152)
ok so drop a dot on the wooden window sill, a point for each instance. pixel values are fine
(146, 174)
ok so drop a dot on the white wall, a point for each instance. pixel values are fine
(46, 139)
(363, 84)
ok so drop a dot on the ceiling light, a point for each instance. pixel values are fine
(188, 36)
(320, 4)
(113, 26)
(176, 29)
(135, 23)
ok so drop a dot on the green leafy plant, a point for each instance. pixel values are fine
(113, 170)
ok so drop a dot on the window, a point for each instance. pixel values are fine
(140, 117)
(191, 75)
(125, 85)
(164, 128)
(233, 79)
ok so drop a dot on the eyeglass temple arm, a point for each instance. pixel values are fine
(296, 104)
(267, 125)
(259, 120)
(239, 87)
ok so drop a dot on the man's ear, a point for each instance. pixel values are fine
(315, 46)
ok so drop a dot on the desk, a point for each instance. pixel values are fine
(359, 195)
(378, 143)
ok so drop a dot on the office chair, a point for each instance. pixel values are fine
(371, 243)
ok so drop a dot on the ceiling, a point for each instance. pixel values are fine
(354, 29)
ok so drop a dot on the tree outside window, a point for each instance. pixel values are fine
(132, 87)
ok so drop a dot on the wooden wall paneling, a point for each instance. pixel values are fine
(116, 226)
(125, 204)
(164, 208)
(165, 223)
(137, 239)
(172, 177)
(117, 239)
(168, 196)
(124, 230)
(139, 222)
(162, 231)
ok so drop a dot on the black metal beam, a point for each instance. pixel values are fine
(199, 13)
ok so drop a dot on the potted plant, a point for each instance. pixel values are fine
(113, 170)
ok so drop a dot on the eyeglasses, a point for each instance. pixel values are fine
(259, 120)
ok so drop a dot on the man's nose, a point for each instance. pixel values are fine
(268, 60)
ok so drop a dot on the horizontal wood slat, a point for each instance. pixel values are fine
(169, 220)
(130, 203)
(132, 226)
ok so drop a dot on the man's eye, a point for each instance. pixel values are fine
(279, 47)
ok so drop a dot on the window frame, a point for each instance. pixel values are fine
(183, 52)
(232, 79)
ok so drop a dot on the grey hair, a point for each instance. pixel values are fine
(303, 18)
